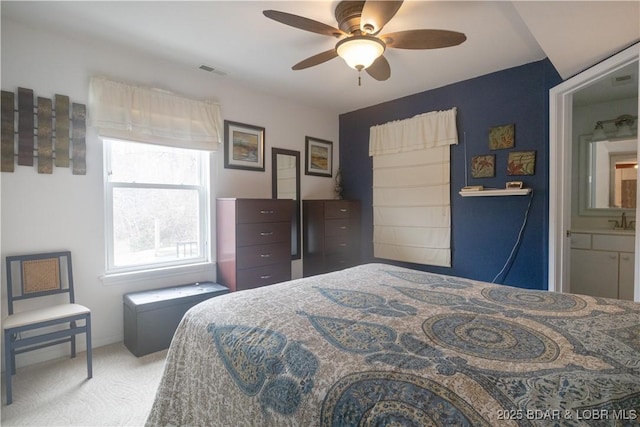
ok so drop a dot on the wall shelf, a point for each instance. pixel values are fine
(496, 192)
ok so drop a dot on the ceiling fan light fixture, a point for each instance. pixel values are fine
(359, 52)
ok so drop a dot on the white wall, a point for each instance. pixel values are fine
(65, 211)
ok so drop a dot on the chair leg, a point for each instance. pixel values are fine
(8, 365)
(89, 349)
(73, 341)
(12, 338)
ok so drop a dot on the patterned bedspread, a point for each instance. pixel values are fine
(380, 345)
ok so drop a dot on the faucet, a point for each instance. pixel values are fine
(623, 224)
(627, 225)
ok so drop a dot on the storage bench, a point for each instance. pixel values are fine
(151, 317)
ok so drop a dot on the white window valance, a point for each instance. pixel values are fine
(411, 194)
(433, 129)
(124, 111)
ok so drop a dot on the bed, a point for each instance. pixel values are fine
(383, 345)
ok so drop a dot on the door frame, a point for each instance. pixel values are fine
(560, 149)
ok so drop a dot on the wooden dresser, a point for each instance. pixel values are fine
(253, 242)
(331, 235)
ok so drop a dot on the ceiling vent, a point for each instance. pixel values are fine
(212, 70)
(622, 80)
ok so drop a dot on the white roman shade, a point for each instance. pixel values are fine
(155, 116)
(411, 201)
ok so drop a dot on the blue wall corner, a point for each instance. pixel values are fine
(484, 229)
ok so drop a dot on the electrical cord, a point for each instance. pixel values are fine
(517, 244)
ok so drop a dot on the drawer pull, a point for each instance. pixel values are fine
(265, 211)
(266, 276)
(267, 233)
(265, 255)
(344, 210)
(344, 227)
(344, 245)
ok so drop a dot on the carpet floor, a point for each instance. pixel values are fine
(58, 393)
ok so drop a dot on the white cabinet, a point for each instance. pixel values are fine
(594, 273)
(602, 265)
(625, 277)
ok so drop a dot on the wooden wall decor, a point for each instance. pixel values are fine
(53, 132)
(62, 131)
(45, 136)
(78, 116)
(8, 132)
(25, 127)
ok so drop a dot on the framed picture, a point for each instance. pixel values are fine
(502, 137)
(243, 146)
(483, 166)
(318, 157)
(521, 163)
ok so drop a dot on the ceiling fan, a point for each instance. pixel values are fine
(360, 45)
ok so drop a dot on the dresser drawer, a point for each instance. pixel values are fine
(259, 255)
(336, 245)
(263, 210)
(337, 228)
(609, 242)
(262, 233)
(341, 260)
(339, 209)
(267, 275)
(580, 241)
(341, 253)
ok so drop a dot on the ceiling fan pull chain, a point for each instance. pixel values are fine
(359, 74)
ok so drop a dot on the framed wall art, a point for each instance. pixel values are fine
(483, 166)
(521, 163)
(243, 146)
(318, 157)
(501, 137)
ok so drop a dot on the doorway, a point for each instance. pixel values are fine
(560, 167)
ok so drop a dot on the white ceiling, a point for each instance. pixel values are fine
(244, 46)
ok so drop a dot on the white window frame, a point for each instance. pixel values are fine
(204, 197)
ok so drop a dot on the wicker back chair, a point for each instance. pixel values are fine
(50, 321)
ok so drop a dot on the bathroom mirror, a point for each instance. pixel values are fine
(285, 184)
(608, 172)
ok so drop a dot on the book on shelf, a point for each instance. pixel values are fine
(472, 188)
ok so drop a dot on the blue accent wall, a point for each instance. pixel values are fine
(484, 229)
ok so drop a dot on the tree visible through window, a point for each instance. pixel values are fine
(156, 199)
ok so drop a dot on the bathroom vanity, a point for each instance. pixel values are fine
(602, 263)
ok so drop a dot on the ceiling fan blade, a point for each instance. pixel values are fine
(380, 69)
(423, 39)
(315, 60)
(303, 23)
(377, 14)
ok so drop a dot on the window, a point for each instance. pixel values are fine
(157, 205)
